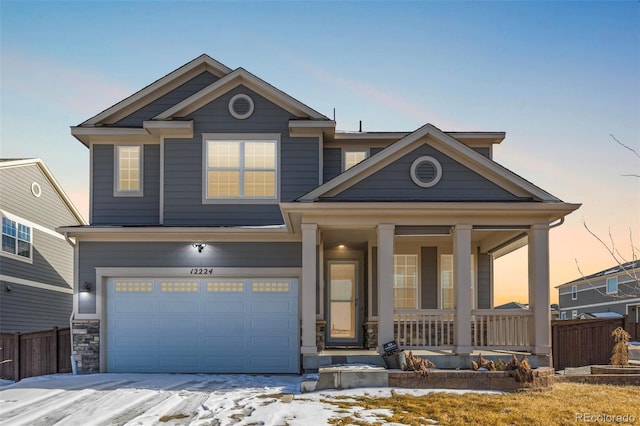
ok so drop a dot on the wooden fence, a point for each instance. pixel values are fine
(35, 354)
(577, 343)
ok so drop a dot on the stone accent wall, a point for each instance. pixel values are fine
(86, 345)
(371, 334)
(321, 327)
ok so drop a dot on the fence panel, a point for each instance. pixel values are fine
(578, 343)
(35, 354)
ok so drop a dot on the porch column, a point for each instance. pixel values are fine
(386, 233)
(462, 286)
(539, 288)
(308, 299)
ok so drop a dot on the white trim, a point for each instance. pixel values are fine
(36, 284)
(241, 137)
(117, 192)
(574, 292)
(91, 191)
(346, 150)
(161, 197)
(574, 314)
(592, 305)
(417, 163)
(606, 283)
(233, 112)
(33, 225)
(585, 285)
(36, 190)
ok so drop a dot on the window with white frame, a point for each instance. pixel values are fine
(405, 281)
(574, 292)
(351, 157)
(16, 238)
(241, 169)
(612, 285)
(574, 314)
(563, 315)
(447, 295)
(128, 173)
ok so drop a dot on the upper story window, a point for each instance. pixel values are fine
(612, 285)
(574, 292)
(241, 169)
(405, 281)
(16, 238)
(128, 173)
(352, 157)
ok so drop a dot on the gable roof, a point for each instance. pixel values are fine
(240, 76)
(8, 163)
(158, 88)
(623, 268)
(431, 135)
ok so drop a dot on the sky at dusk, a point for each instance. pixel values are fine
(558, 77)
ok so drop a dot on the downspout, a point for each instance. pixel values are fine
(74, 366)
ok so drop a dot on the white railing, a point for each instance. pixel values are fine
(424, 328)
(501, 328)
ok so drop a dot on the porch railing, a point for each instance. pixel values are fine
(501, 329)
(424, 328)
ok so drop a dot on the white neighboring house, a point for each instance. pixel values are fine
(36, 263)
(615, 290)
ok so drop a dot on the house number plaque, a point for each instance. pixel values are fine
(201, 271)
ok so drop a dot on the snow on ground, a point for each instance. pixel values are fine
(176, 399)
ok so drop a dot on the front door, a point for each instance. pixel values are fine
(343, 292)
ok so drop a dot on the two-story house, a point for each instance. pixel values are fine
(36, 262)
(234, 229)
(615, 290)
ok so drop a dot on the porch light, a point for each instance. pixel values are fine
(199, 246)
(86, 287)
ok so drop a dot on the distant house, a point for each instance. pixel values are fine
(512, 305)
(613, 290)
(234, 229)
(36, 263)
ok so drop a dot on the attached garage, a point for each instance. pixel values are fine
(182, 325)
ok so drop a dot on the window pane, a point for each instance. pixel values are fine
(351, 158)
(129, 168)
(8, 227)
(24, 249)
(259, 155)
(223, 184)
(223, 154)
(259, 184)
(8, 244)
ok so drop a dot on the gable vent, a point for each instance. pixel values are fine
(426, 172)
(241, 106)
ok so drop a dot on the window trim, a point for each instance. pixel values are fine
(117, 192)
(574, 314)
(240, 137)
(574, 292)
(16, 256)
(352, 149)
(606, 283)
(563, 315)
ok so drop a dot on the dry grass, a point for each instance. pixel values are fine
(560, 406)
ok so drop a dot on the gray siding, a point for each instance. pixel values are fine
(27, 308)
(484, 281)
(167, 101)
(374, 281)
(332, 163)
(180, 255)
(429, 277)
(393, 183)
(588, 295)
(299, 166)
(110, 210)
(52, 256)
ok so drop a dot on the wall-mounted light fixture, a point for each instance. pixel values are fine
(8, 288)
(199, 246)
(86, 287)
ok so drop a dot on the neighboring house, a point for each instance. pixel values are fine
(234, 229)
(36, 262)
(615, 289)
(512, 305)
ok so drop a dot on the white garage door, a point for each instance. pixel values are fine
(202, 326)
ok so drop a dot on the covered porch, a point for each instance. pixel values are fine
(423, 279)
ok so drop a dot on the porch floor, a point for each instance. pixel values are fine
(445, 359)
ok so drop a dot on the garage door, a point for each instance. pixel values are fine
(202, 326)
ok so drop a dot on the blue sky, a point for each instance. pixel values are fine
(558, 77)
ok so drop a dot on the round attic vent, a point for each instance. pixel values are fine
(35, 189)
(241, 106)
(426, 172)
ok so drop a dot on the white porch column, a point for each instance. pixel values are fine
(308, 299)
(386, 233)
(539, 288)
(462, 286)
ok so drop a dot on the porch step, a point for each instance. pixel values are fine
(352, 376)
